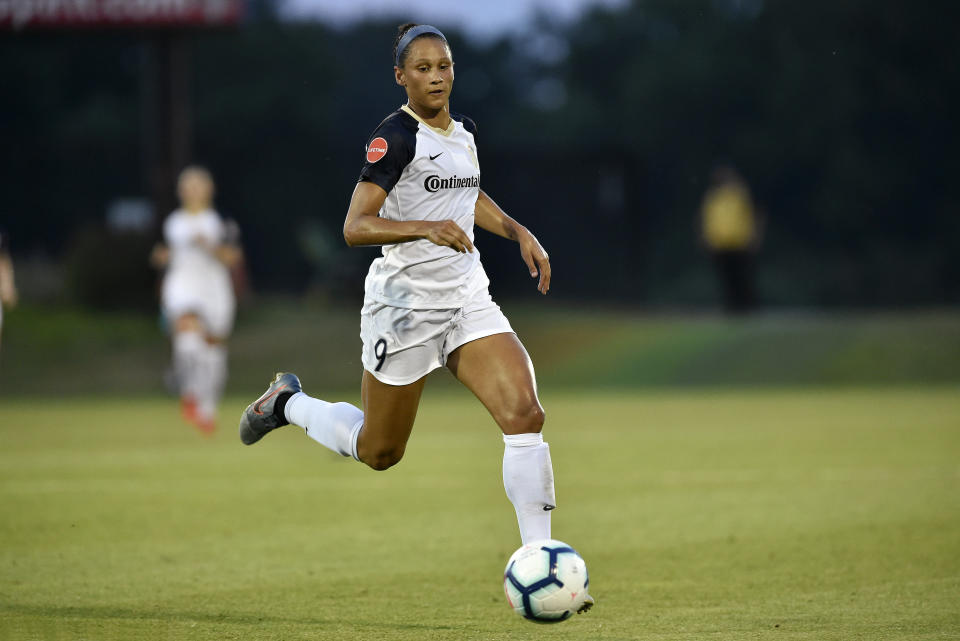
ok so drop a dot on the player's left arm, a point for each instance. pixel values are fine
(229, 255)
(229, 251)
(489, 216)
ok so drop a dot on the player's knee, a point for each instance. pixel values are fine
(383, 458)
(526, 418)
(188, 323)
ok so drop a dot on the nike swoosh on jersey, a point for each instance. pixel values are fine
(437, 156)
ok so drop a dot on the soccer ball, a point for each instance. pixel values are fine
(546, 581)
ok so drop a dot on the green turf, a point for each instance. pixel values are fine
(728, 515)
(77, 352)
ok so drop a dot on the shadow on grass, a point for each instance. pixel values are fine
(103, 612)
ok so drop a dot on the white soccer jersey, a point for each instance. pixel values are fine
(191, 237)
(428, 174)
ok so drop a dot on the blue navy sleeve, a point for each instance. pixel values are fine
(390, 149)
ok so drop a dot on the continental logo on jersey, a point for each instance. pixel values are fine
(376, 150)
(435, 183)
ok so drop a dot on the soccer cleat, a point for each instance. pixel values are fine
(588, 603)
(259, 418)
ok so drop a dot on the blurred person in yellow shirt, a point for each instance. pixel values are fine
(730, 230)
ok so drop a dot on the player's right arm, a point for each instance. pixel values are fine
(160, 256)
(388, 152)
(364, 226)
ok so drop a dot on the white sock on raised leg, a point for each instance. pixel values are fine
(528, 480)
(336, 426)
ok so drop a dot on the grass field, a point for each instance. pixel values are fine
(727, 514)
(81, 352)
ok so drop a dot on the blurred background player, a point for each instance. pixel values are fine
(8, 287)
(198, 251)
(730, 232)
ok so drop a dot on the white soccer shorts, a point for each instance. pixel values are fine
(212, 302)
(402, 345)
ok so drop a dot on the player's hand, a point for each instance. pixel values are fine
(9, 298)
(447, 233)
(537, 260)
(160, 256)
(229, 255)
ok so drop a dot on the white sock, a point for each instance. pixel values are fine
(217, 363)
(187, 348)
(528, 480)
(336, 426)
(211, 378)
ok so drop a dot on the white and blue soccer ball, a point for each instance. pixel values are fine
(546, 581)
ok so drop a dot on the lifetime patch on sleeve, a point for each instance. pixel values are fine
(376, 150)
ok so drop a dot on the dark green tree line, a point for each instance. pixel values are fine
(601, 134)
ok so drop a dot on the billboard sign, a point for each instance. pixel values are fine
(73, 14)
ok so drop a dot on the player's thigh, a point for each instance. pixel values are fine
(389, 412)
(401, 346)
(498, 370)
(217, 316)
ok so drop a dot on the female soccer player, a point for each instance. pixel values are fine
(426, 302)
(197, 295)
